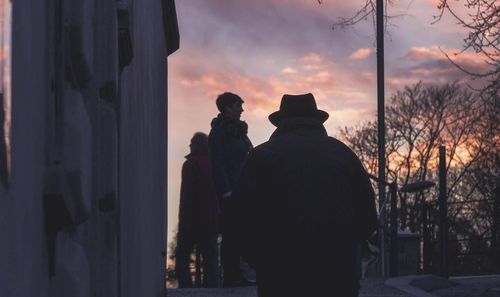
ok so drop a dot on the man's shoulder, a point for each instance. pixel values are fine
(336, 142)
(262, 148)
(215, 126)
(345, 152)
(262, 151)
(213, 131)
(338, 148)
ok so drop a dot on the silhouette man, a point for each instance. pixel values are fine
(303, 204)
(229, 146)
(198, 216)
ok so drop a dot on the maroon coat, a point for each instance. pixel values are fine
(199, 209)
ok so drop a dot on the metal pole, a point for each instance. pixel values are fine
(394, 231)
(495, 228)
(443, 212)
(381, 124)
(197, 275)
(426, 236)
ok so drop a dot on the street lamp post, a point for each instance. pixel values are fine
(381, 122)
(415, 188)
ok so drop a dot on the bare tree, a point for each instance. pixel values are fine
(420, 118)
(171, 275)
(483, 25)
(365, 13)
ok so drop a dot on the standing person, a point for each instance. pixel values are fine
(229, 146)
(304, 202)
(198, 216)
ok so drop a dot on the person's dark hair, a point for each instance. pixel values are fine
(227, 99)
(200, 142)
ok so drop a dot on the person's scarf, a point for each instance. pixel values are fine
(233, 127)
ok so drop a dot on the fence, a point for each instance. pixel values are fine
(472, 243)
(457, 236)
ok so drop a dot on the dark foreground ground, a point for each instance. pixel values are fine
(370, 287)
(472, 287)
(410, 286)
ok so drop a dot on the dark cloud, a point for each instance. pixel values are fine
(430, 64)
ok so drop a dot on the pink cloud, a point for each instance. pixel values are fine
(288, 70)
(361, 53)
(312, 58)
(313, 67)
(323, 78)
(438, 53)
(4, 51)
(436, 2)
(312, 63)
(430, 64)
(438, 59)
(365, 78)
(255, 92)
(258, 93)
(425, 53)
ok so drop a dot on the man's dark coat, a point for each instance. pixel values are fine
(229, 146)
(304, 203)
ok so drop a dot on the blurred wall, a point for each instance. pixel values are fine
(83, 211)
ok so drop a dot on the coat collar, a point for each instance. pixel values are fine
(196, 154)
(235, 128)
(294, 124)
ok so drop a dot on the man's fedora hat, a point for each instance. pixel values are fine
(298, 106)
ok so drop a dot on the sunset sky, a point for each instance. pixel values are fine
(5, 70)
(261, 49)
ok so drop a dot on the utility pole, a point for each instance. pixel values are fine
(381, 127)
